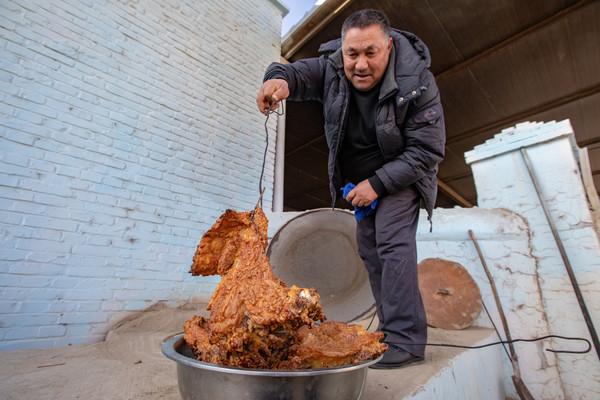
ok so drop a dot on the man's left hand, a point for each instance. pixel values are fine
(362, 195)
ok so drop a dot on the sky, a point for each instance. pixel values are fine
(298, 8)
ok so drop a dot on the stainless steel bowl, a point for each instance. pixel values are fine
(203, 381)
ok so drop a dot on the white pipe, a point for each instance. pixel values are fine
(279, 162)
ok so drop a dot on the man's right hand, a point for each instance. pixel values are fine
(271, 93)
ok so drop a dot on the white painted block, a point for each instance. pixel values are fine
(554, 158)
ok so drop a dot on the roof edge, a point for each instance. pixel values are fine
(310, 25)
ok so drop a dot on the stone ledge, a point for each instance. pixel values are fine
(521, 135)
(448, 223)
(281, 7)
(451, 374)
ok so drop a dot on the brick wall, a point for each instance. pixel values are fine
(126, 128)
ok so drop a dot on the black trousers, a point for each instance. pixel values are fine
(387, 245)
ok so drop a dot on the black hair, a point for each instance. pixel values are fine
(364, 18)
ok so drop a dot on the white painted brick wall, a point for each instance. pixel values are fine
(126, 128)
(553, 153)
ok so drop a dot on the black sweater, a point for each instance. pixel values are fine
(360, 154)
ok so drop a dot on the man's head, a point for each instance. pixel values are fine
(366, 47)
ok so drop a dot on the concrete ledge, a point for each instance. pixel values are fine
(284, 10)
(519, 136)
(446, 373)
(448, 223)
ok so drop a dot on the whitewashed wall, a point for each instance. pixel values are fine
(553, 154)
(126, 128)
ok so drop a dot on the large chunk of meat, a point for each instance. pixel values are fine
(218, 247)
(333, 343)
(256, 321)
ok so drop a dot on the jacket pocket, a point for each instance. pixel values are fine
(405, 102)
(428, 116)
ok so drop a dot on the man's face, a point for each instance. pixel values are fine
(366, 54)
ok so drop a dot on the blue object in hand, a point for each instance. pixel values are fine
(359, 212)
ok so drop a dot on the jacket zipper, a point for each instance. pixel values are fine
(379, 102)
(402, 99)
(340, 138)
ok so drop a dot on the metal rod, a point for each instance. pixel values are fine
(453, 194)
(522, 390)
(496, 296)
(563, 254)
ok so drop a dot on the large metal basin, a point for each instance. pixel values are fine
(203, 381)
(318, 249)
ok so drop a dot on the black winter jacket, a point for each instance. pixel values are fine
(409, 123)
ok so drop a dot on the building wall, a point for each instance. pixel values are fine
(126, 128)
(553, 155)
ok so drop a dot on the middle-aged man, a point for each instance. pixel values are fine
(384, 127)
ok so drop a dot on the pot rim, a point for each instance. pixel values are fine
(171, 342)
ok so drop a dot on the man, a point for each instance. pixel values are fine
(385, 130)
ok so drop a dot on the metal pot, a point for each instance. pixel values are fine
(203, 381)
(318, 249)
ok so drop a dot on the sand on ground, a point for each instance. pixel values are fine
(129, 365)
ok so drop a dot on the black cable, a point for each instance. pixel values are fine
(589, 344)
(372, 319)
(496, 329)
(503, 342)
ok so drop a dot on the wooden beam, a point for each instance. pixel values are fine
(306, 144)
(511, 119)
(453, 194)
(589, 142)
(508, 41)
(455, 177)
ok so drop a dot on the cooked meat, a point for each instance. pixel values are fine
(333, 343)
(256, 321)
(197, 336)
(217, 249)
